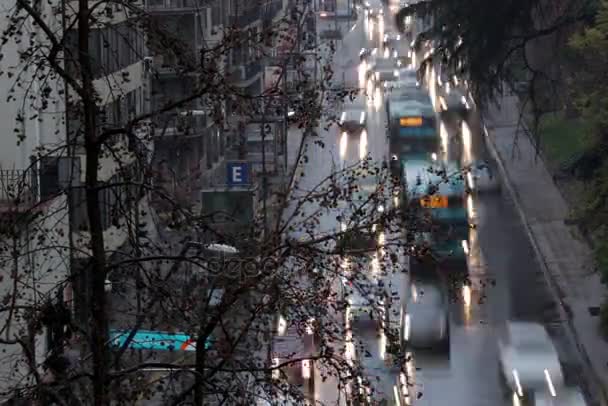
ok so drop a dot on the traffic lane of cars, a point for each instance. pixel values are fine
(515, 273)
(435, 375)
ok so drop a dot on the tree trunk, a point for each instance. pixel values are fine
(199, 395)
(98, 332)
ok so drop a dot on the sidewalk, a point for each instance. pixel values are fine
(565, 259)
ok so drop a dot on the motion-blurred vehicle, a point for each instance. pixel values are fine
(566, 397)
(528, 361)
(482, 177)
(391, 40)
(353, 120)
(438, 188)
(409, 77)
(425, 322)
(365, 297)
(413, 124)
(454, 101)
(366, 54)
(382, 70)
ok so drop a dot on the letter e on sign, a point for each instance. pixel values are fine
(237, 173)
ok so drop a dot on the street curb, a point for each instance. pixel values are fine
(298, 167)
(554, 288)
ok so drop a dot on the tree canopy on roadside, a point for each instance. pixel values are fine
(487, 40)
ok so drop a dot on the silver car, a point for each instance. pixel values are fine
(382, 70)
(482, 177)
(454, 101)
(425, 321)
(528, 361)
(353, 120)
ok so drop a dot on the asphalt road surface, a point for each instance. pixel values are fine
(506, 281)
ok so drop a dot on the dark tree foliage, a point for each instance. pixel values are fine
(482, 39)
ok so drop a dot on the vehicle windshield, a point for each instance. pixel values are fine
(407, 74)
(353, 115)
(384, 64)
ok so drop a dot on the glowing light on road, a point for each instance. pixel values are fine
(386, 52)
(281, 326)
(349, 352)
(516, 401)
(445, 138)
(470, 180)
(362, 73)
(467, 141)
(377, 99)
(382, 344)
(396, 393)
(406, 328)
(370, 30)
(520, 391)
(414, 293)
(310, 329)
(306, 370)
(550, 383)
(432, 83)
(363, 145)
(464, 101)
(381, 239)
(343, 144)
(409, 364)
(470, 207)
(275, 372)
(465, 246)
(466, 296)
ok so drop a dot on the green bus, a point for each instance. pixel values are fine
(413, 125)
(439, 187)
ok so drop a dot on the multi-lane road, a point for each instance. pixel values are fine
(507, 282)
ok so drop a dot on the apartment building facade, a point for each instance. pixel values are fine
(192, 144)
(43, 221)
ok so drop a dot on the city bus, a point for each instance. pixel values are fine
(440, 189)
(413, 126)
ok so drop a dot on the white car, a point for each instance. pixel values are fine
(528, 361)
(424, 321)
(454, 101)
(365, 299)
(482, 177)
(407, 80)
(391, 39)
(353, 120)
(382, 70)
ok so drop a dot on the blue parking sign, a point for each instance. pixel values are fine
(238, 173)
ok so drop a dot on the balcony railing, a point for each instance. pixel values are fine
(18, 188)
(173, 5)
(180, 125)
(167, 65)
(245, 72)
(246, 17)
